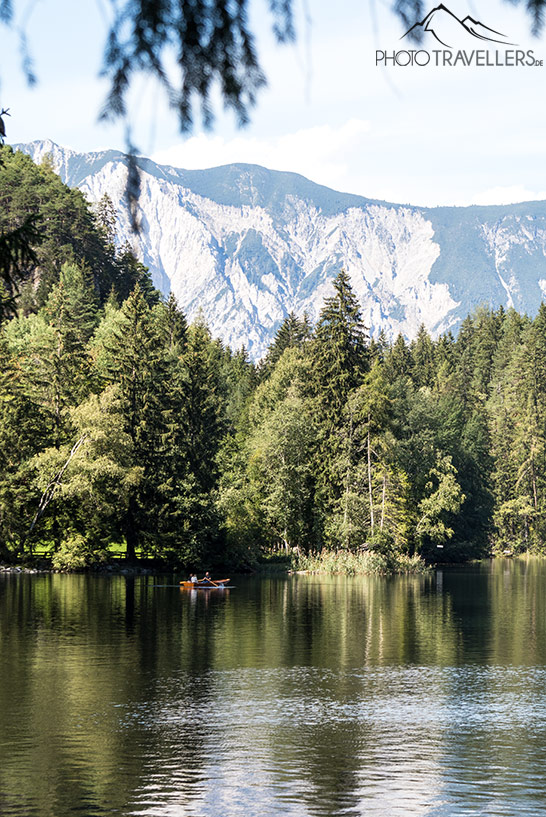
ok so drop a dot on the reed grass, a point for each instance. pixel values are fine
(348, 563)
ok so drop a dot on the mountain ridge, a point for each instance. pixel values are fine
(246, 245)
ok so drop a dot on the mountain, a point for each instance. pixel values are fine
(246, 245)
(444, 28)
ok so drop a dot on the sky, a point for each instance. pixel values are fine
(428, 135)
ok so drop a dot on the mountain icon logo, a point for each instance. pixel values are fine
(449, 31)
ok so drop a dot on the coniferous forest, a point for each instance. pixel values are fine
(124, 429)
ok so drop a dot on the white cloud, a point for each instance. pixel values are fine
(352, 158)
(508, 195)
(322, 153)
(355, 157)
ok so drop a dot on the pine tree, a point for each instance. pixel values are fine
(24, 429)
(136, 361)
(487, 331)
(173, 325)
(397, 360)
(464, 366)
(339, 351)
(201, 427)
(378, 348)
(56, 366)
(105, 214)
(130, 273)
(339, 360)
(422, 353)
(292, 332)
(241, 379)
(204, 405)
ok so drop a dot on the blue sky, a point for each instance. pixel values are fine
(419, 135)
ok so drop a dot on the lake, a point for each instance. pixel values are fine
(303, 695)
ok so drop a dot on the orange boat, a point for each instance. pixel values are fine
(205, 584)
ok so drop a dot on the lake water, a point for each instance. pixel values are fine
(306, 695)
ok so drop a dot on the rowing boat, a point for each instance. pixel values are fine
(205, 585)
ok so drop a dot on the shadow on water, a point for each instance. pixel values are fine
(306, 695)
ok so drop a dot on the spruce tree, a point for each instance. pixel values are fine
(339, 359)
(136, 361)
(339, 351)
(397, 360)
(293, 331)
(24, 430)
(423, 365)
(204, 398)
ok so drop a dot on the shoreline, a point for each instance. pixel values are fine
(341, 563)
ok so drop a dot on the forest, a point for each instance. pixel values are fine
(125, 429)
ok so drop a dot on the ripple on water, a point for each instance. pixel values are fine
(297, 741)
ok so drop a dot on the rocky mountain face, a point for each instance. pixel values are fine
(246, 246)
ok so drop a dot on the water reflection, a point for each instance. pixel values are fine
(300, 696)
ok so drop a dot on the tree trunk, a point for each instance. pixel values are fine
(370, 475)
(131, 536)
(383, 500)
(347, 482)
(534, 481)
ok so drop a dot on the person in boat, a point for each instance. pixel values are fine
(207, 577)
(193, 578)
